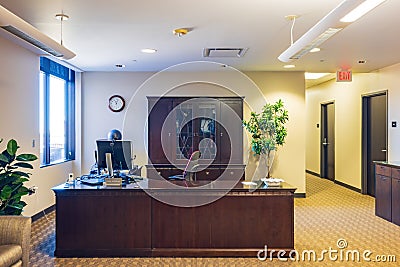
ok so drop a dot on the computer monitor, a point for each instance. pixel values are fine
(121, 154)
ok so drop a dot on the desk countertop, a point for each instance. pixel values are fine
(164, 185)
(389, 163)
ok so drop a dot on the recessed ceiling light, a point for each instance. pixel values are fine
(290, 66)
(314, 76)
(120, 65)
(148, 50)
(315, 49)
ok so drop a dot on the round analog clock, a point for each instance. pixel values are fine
(116, 103)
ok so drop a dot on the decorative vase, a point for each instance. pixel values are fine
(261, 170)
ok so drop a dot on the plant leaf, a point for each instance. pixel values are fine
(17, 206)
(23, 165)
(3, 158)
(26, 157)
(21, 174)
(12, 147)
(20, 180)
(6, 192)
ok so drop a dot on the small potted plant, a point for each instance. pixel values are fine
(268, 132)
(12, 178)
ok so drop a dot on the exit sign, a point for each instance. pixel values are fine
(343, 76)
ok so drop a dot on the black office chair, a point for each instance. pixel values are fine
(190, 170)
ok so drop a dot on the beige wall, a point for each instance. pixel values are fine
(347, 98)
(97, 87)
(19, 119)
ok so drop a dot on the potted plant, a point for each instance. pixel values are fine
(12, 178)
(268, 132)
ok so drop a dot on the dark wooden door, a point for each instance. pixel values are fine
(230, 135)
(159, 108)
(374, 131)
(328, 141)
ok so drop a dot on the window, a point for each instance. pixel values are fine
(57, 113)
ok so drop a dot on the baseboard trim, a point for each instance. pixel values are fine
(300, 195)
(40, 214)
(348, 186)
(313, 173)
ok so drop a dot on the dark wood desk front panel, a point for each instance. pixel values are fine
(103, 223)
(111, 222)
(234, 221)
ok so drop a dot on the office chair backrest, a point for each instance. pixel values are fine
(192, 162)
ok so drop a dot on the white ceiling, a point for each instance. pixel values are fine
(103, 33)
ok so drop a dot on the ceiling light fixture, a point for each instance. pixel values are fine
(62, 17)
(361, 10)
(326, 28)
(180, 32)
(28, 36)
(148, 50)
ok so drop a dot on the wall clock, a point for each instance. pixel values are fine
(116, 103)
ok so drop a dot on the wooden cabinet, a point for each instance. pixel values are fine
(396, 200)
(387, 192)
(178, 126)
(383, 197)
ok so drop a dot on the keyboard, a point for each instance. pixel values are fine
(93, 179)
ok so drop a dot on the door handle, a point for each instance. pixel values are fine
(383, 150)
(325, 143)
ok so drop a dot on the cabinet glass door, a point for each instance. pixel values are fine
(184, 131)
(205, 140)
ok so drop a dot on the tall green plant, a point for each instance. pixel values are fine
(268, 130)
(12, 179)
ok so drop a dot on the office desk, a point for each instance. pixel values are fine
(95, 221)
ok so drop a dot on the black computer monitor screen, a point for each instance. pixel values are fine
(121, 154)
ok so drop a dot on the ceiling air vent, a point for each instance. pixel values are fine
(224, 52)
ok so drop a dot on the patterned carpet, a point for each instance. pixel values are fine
(331, 218)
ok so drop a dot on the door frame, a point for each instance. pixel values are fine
(364, 139)
(321, 139)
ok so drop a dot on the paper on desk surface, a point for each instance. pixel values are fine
(272, 180)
